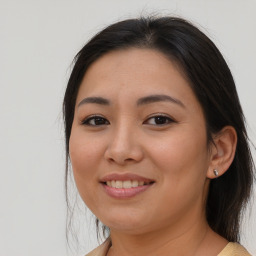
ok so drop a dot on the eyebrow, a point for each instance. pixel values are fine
(157, 98)
(94, 100)
(142, 101)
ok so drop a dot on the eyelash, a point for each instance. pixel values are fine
(167, 119)
(96, 118)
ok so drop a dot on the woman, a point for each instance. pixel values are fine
(157, 142)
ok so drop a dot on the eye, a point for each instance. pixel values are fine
(159, 120)
(95, 121)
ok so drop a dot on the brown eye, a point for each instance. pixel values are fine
(159, 120)
(95, 121)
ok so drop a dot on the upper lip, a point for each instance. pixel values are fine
(125, 176)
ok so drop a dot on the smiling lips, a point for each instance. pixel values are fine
(126, 185)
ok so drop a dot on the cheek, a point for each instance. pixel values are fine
(83, 149)
(179, 150)
(85, 155)
(183, 160)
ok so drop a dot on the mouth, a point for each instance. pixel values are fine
(126, 185)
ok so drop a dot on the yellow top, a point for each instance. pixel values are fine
(234, 249)
(231, 249)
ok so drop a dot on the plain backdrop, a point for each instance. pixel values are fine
(38, 41)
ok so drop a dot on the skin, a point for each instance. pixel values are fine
(127, 139)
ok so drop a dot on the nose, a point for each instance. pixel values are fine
(124, 146)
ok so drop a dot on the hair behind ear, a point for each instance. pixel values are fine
(229, 194)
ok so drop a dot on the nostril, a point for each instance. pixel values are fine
(112, 160)
(129, 159)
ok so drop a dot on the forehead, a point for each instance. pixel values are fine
(134, 72)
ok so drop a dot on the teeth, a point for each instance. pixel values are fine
(119, 184)
(135, 183)
(125, 184)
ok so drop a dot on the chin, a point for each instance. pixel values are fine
(128, 223)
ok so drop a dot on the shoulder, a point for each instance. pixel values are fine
(231, 249)
(100, 250)
(234, 249)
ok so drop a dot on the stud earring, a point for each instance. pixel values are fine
(216, 173)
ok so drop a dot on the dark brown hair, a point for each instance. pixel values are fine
(213, 85)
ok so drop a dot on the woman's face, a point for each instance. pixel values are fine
(138, 144)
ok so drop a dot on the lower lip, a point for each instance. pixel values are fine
(122, 193)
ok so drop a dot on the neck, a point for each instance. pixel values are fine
(197, 240)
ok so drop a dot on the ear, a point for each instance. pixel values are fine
(222, 152)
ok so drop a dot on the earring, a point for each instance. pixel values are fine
(216, 173)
